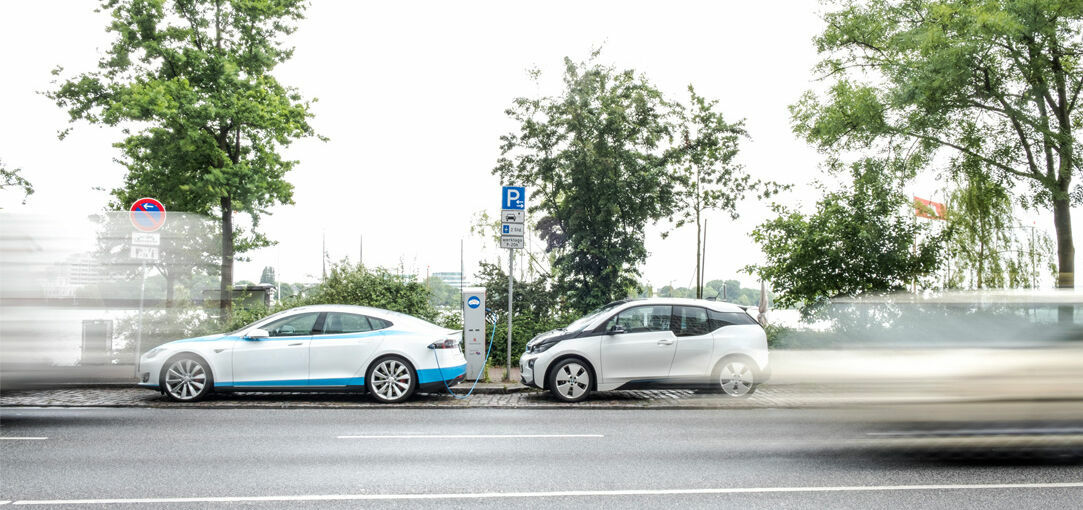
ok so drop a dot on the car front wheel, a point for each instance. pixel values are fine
(391, 380)
(569, 380)
(187, 379)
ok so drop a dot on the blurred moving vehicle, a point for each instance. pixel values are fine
(663, 342)
(312, 348)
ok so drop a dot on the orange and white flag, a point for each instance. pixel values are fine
(929, 209)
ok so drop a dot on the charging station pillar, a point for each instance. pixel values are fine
(474, 341)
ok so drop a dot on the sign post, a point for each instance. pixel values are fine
(147, 216)
(512, 218)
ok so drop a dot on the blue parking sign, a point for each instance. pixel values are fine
(513, 197)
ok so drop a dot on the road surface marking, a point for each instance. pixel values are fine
(23, 438)
(544, 494)
(469, 436)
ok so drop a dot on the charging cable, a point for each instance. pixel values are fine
(487, 353)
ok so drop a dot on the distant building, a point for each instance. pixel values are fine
(453, 279)
(79, 270)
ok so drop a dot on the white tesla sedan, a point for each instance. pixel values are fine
(315, 348)
(682, 343)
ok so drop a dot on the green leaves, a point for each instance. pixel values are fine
(931, 72)
(189, 80)
(14, 178)
(861, 239)
(594, 161)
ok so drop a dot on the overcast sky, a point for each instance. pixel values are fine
(412, 96)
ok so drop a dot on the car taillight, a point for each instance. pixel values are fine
(447, 343)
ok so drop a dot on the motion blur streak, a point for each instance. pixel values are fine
(71, 289)
(955, 374)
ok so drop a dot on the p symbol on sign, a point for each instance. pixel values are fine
(514, 197)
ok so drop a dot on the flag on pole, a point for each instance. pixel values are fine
(929, 209)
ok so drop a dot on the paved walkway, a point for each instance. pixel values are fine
(767, 396)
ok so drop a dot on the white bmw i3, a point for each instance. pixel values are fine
(681, 343)
(315, 348)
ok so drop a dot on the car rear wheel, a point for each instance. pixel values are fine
(570, 380)
(187, 379)
(391, 380)
(736, 377)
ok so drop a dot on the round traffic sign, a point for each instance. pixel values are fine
(147, 214)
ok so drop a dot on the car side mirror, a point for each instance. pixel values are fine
(616, 329)
(257, 334)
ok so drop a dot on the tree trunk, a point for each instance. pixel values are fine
(226, 287)
(699, 290)
(1062, 221)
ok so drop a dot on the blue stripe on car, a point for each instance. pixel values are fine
(341, 381)
(427, 375)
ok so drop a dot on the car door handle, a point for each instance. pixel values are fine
(665, 341)
(298, 343)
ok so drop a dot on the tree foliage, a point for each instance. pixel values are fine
(14, 178)
(988, 248)
(709, 175)
(593, 158)
(861, 239)
(204, 120)
(992, 80)
(602, 164)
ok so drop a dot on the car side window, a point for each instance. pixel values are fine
(642, 319)
(294, 325)
(337, 322)
(721, 319)
(690, 321)
(379, 323)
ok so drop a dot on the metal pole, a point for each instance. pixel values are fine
(139, 327)
(511, 269)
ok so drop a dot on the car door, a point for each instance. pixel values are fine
(281, 359)
(695, 343)
(645, 347)
(338, 351)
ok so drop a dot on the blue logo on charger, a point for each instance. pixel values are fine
(473, 302)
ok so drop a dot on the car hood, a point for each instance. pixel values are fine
(553, 335)
(207, 338)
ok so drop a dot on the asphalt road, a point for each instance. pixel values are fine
(470, 458)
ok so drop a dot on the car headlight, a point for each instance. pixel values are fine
(153, 352)
(544, 346)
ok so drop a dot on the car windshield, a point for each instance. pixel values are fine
(582, 322)
(264, 319)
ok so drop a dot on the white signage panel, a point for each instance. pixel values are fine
(512, 216)
(512, 242)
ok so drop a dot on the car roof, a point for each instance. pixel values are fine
(720, 306)
(398, 318)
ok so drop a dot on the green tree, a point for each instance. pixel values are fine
(710, 177)
(859, 240)
(987, 248)
(595, 160)
(204, 119)
(268, 275)
(441, 294)
(14, 178)
(995, 81)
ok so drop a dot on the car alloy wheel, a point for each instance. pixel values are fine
(736, 378)
(570, 381)
(391, 380)
(187, 380)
